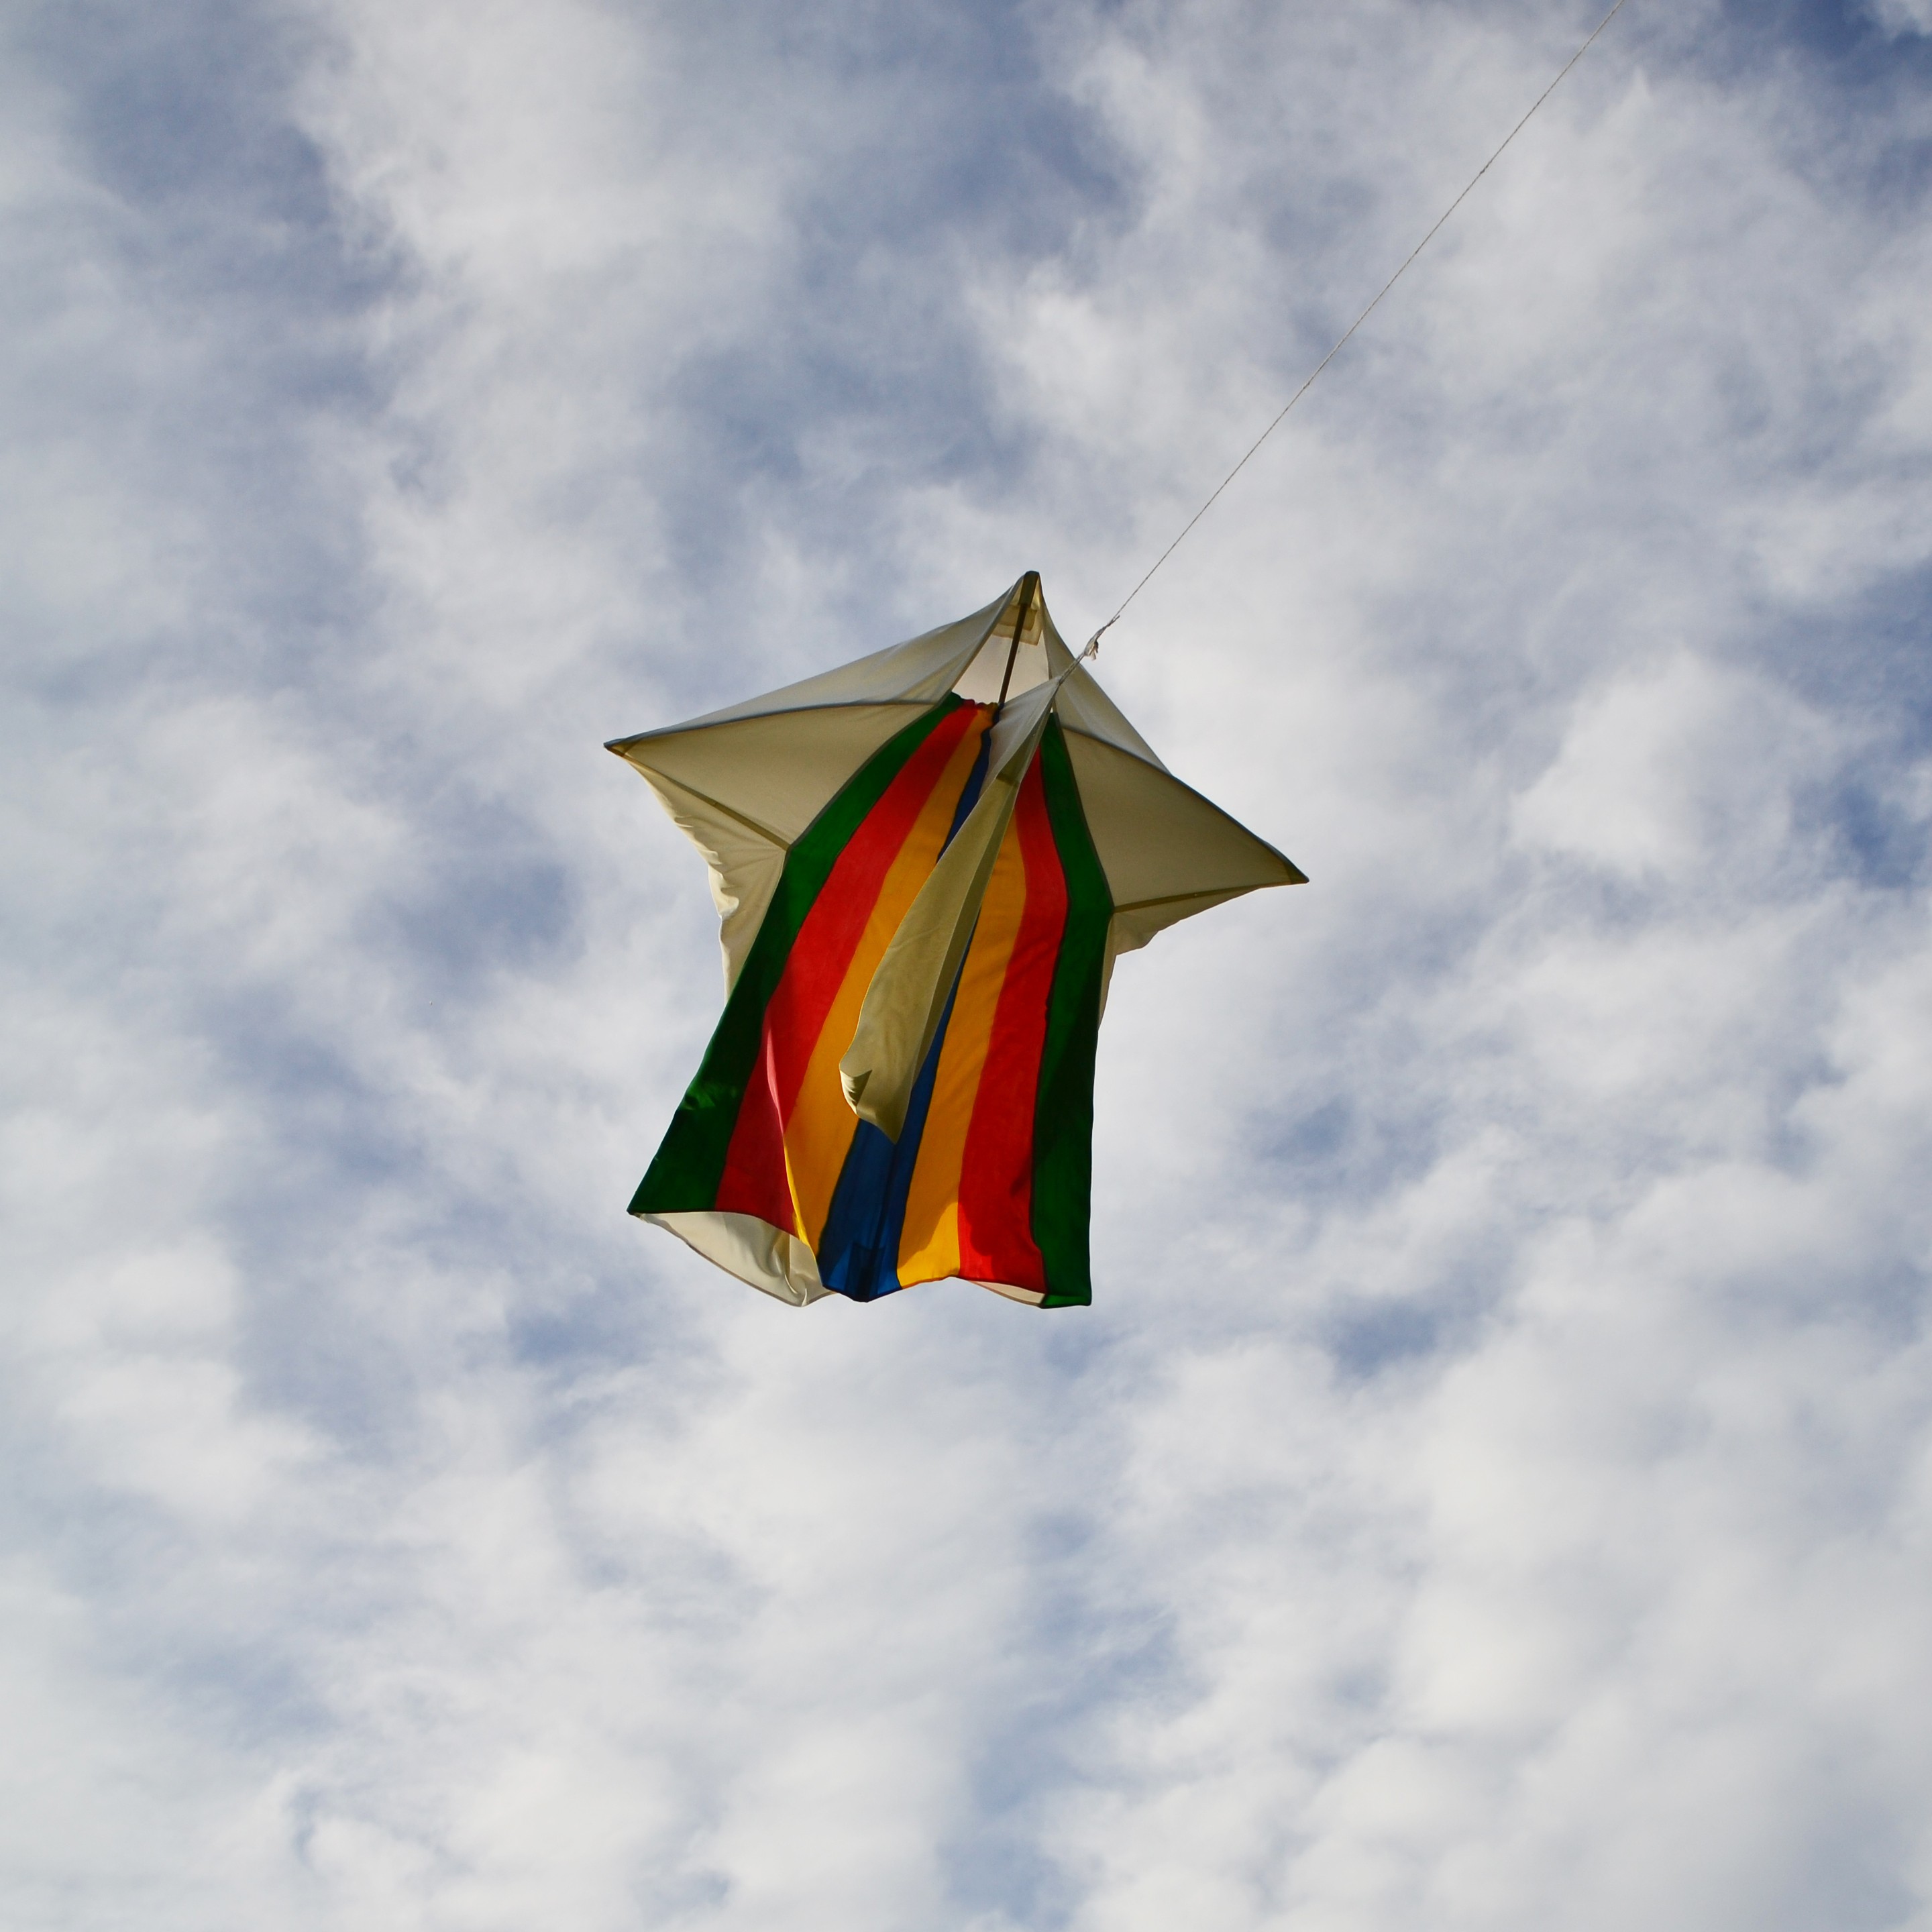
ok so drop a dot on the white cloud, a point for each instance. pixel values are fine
(1491, 1488)
(1665, 765)
(1902, 16)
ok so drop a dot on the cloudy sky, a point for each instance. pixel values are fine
(1492, 1488)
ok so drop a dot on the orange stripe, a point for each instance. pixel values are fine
(819, 1129)
(929, 1244)
(754, 1180)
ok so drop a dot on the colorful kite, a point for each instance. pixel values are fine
(925, 863)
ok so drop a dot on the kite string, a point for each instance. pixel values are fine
(1093, 642)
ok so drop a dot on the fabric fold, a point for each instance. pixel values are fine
(906, 1000)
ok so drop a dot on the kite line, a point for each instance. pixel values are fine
(1093, 642)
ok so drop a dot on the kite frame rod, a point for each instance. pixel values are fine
(1029, 588)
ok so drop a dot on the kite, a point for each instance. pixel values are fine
(925, 863)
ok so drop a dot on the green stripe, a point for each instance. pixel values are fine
(1062, 1125)
(685, 1177)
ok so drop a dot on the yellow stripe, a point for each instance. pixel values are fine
(929, 1245)
(819, 1133)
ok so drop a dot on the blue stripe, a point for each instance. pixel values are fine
(859, 1251)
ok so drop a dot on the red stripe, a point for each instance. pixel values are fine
(754, 1181)
(996, 1240)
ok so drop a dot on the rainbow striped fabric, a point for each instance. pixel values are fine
(990, 1180)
